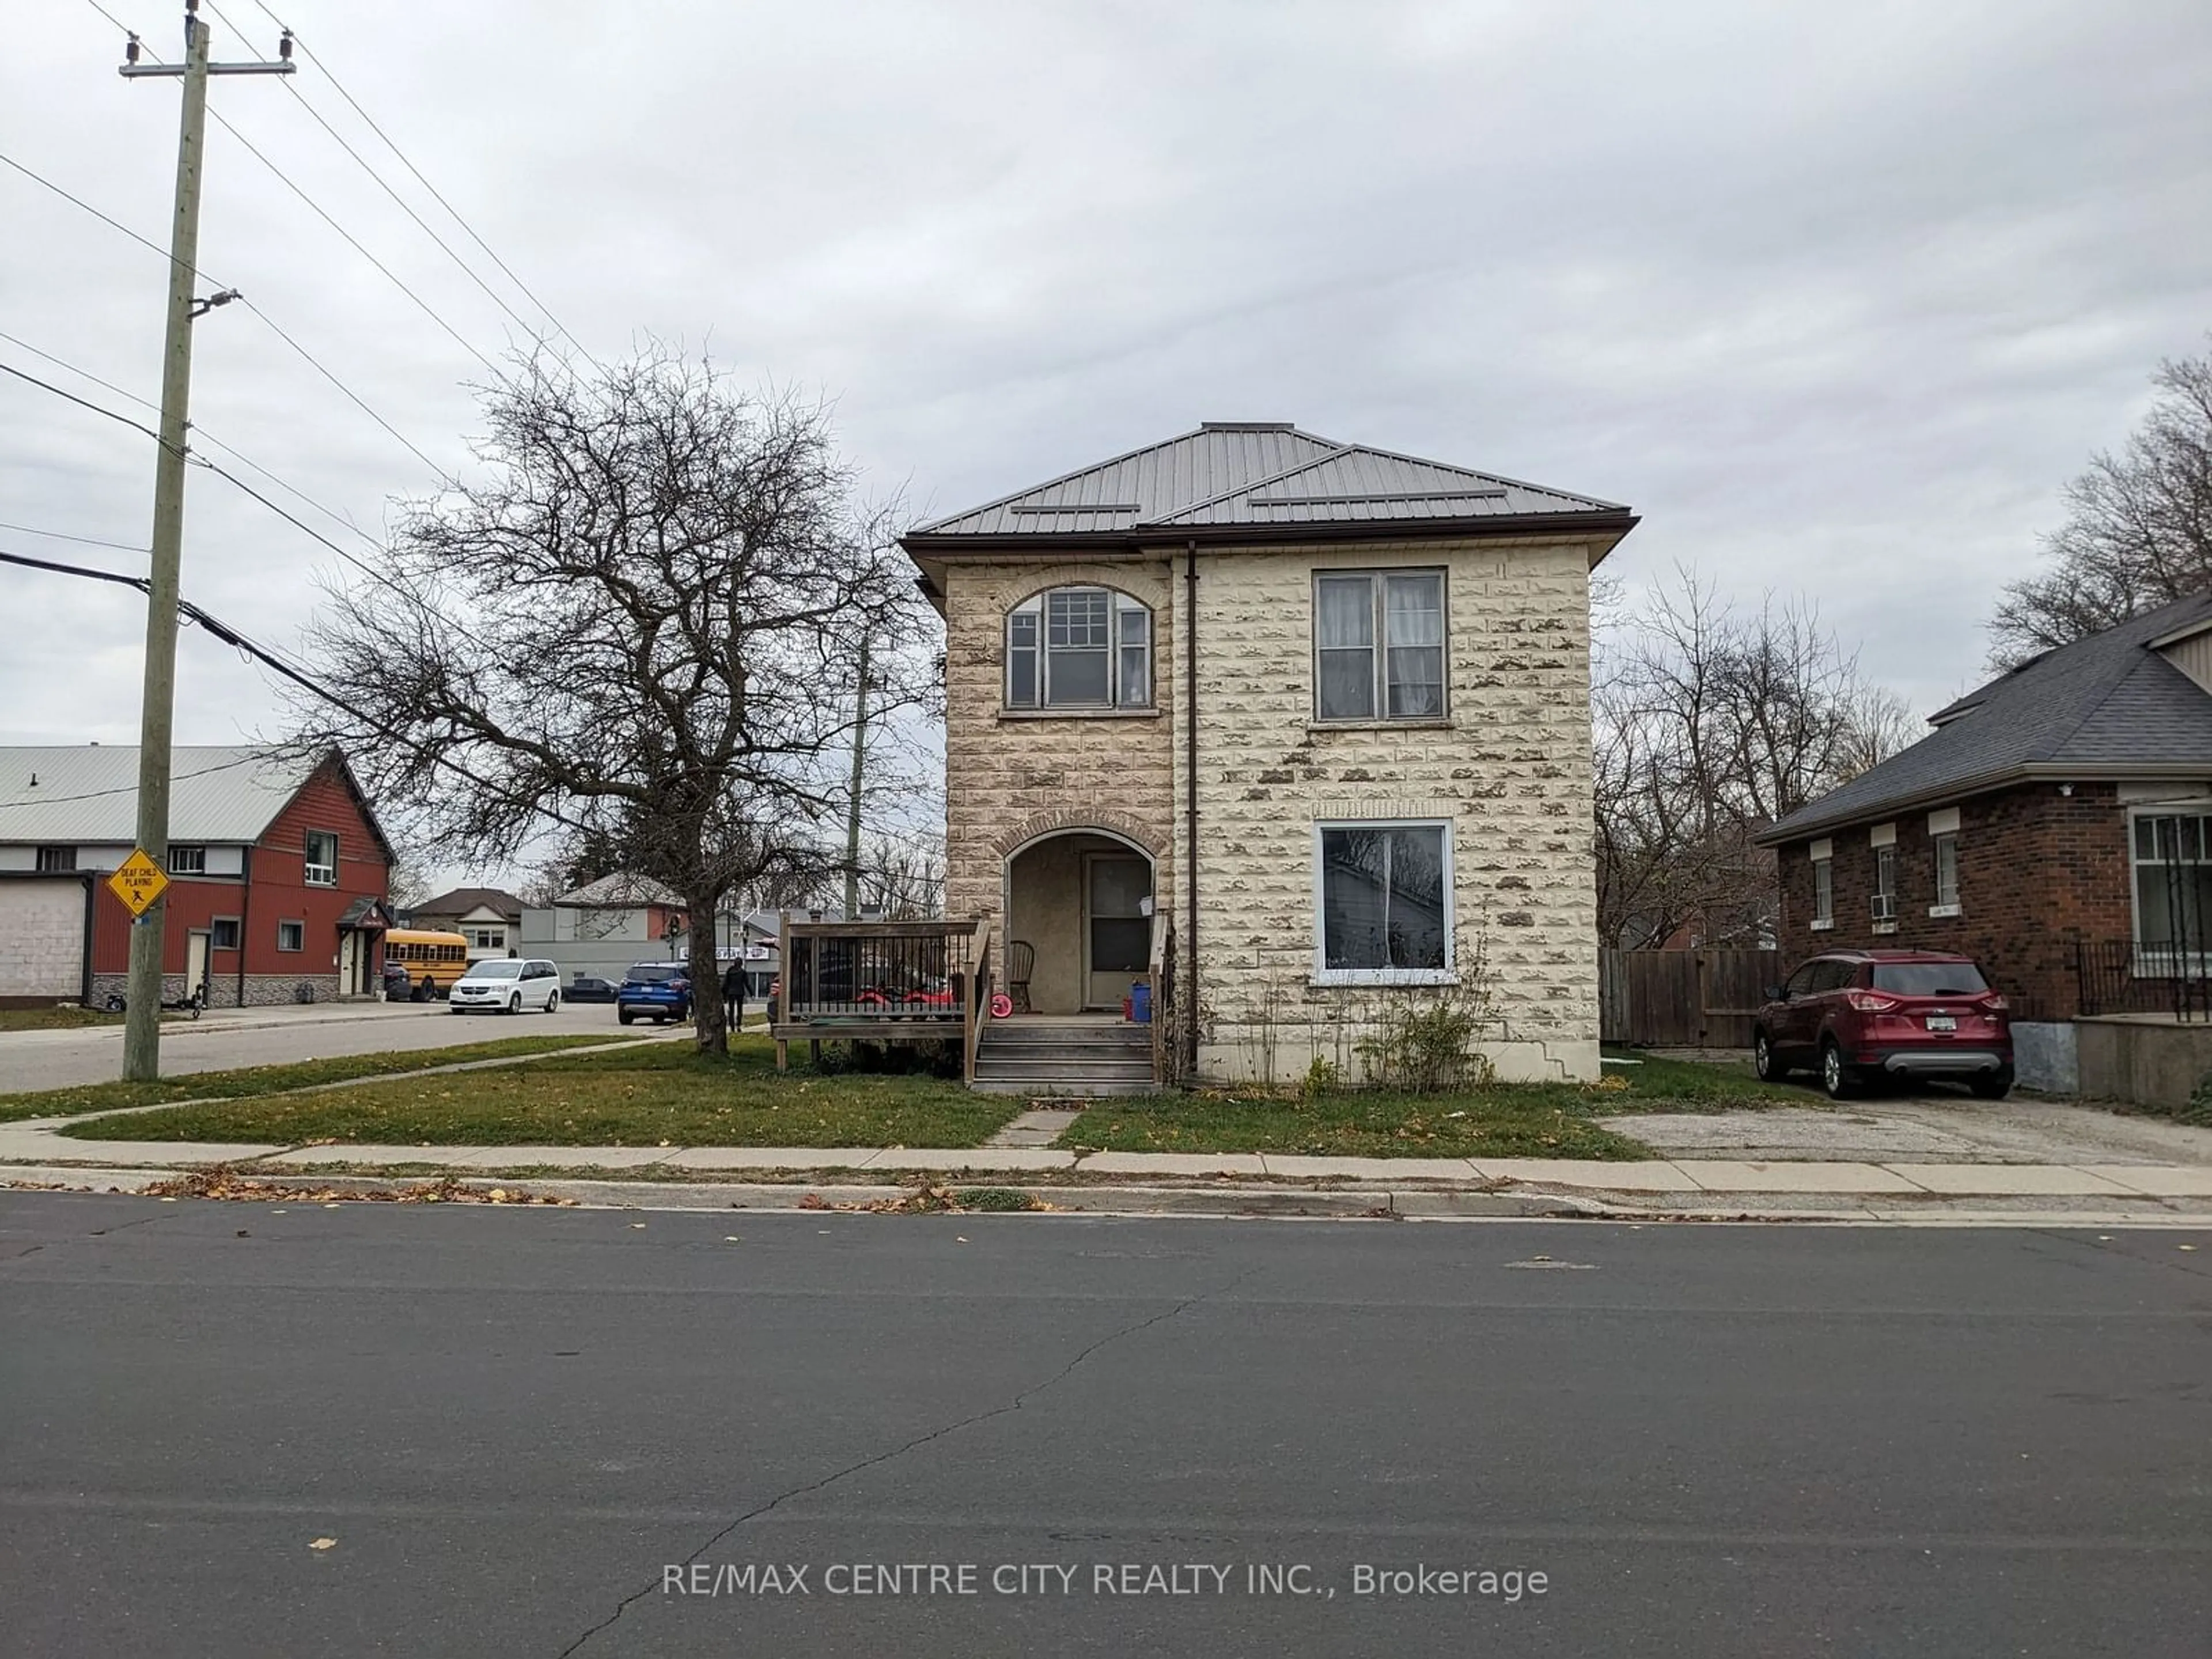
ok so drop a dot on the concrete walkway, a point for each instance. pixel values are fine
(38, 1142)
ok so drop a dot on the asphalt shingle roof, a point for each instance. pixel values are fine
(462, 900)
(622, 890)
(1244, 474)
(2102, 704)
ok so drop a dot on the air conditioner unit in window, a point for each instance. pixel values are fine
(1885, 907)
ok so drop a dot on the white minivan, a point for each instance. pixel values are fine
(507, 984)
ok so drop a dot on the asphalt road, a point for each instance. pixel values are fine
(515, 1424)
(62, 1060)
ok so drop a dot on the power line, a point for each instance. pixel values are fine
(64, 535)
(82, 374)
(230, 765)
(318, 209)
(82, 402)
(338, 86)
(354, 242)
(139, 582)
(78, 201)
(466, 269)
(238, 484)
(306, 355)
(316, 364)
(221, 631)
(205, 436)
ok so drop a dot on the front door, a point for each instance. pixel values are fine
(1117, 934)
(196, 962)
(353, 958)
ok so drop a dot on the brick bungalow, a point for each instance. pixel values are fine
(2056, 826)
(277, 876)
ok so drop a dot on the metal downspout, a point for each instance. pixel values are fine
(1190, 799)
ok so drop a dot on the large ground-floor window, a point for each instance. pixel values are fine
(1383, 902)
(2172, 860)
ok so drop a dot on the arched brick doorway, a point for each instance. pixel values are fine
(1079, 895)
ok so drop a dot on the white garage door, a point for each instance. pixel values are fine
(42, 943)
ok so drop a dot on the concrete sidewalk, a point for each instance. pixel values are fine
(36, 1142)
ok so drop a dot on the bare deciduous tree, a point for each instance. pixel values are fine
(2138, 530)
(902, 875)
(1711, 723)
(624, 626)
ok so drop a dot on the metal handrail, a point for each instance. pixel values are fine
(1162, 976)
(978, 998)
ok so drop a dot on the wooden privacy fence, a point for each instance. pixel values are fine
(1683, 999)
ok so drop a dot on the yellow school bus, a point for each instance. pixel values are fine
(433, 961)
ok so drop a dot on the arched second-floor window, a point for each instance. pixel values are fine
(1079, 647)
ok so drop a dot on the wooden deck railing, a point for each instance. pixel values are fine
(880, 982)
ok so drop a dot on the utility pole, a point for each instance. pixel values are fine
(142, 1031)
(853, 805)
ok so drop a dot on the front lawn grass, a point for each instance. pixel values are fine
(249, 1081)
(1502, 1122)
(1690, 1085)
(1544, 1119)
(660, 1093)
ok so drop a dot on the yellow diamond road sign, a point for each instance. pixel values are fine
(138, 881)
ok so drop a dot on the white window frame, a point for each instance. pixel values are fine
(2151, 960)
(300, 935)
(1122, 611)
(309, 867)
(1947, 896)
(1885, 886)
(1378, 647)
(1325, 975)
(55, 860)
(187, 860)
(237, 926)
(1823, 859)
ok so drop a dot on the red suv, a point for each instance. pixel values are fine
(1855, 1015)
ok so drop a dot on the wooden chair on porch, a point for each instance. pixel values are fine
(1021, 961)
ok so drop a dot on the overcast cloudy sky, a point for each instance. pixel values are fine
(1837, 295)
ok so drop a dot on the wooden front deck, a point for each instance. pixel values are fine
(912, 983)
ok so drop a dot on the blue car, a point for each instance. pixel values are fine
(660, 990)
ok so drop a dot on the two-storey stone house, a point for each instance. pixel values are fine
(1323, 707)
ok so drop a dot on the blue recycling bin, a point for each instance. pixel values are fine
(1140, 1003)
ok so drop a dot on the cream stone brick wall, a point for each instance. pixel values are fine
(1510, 769)
(1011, 777)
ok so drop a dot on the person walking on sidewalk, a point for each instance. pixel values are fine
(734, 996)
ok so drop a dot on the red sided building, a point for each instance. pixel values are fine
(278, 876)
